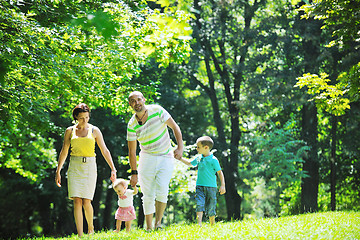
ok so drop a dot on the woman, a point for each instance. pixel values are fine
(82, 171)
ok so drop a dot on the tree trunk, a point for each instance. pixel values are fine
(310, 185)
(108, 220)
(96, 205)
(232, 198)
(310, 30)
(229, 163)
(333, 163)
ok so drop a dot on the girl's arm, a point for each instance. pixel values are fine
(135, 190)
(105, 152)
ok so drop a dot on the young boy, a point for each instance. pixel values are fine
(206, 185)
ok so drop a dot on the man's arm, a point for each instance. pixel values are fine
(132, 161)
(178, 153)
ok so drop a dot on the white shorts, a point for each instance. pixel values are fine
(154, 177)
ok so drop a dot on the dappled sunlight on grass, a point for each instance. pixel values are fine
(329, 225)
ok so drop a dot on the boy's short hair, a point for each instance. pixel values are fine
(120, 181)
(205, 141)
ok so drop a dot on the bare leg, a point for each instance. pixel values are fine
(212, 220)
(199, 216)
(128, 226)
(118, 226)
(89, 215)
(159, 212)
(148, 220)
(78, 216)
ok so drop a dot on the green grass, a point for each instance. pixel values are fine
(329, 225)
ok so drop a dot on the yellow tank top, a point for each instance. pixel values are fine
(83, 146)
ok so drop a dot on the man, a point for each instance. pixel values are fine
(148, 126)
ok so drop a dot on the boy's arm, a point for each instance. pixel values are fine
(185, 161)
(222, 189)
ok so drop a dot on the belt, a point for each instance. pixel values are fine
(82, 159)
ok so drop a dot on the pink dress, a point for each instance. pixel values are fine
(126, 210)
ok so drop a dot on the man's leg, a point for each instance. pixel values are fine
(149, 220)
(159, 213)
(147, 170)
(164, 169)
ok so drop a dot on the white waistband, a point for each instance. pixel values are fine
(82, 159)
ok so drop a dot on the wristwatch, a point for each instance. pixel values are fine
(134, 172)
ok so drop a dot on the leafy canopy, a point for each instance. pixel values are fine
(341, 19)
(56, 55)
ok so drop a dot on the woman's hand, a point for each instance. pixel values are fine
(58, 178)
(113, 175)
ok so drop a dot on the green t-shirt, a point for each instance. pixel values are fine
(207, 168)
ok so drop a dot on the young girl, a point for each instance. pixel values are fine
(126, 211)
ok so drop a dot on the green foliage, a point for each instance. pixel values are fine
(168, 43)
(338, 17)
(290, 200)
(45, 67)
(350, 81)
(26, 152)
(276, 166)
(278, 157)
(327, 97)
(55, 54)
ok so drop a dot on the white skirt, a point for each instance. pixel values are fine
(82, 175)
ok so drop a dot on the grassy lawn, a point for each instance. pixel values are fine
(329, 225)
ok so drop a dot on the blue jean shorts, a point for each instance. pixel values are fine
(206, 200)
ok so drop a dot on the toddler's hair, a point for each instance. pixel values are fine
(118, 181)
(205, 141)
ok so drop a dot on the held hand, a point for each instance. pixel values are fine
(222, 190)
(178, 153)
(58, 179)
(133, 180)
(113, 176)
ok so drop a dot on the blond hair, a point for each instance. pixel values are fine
(121, 181)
